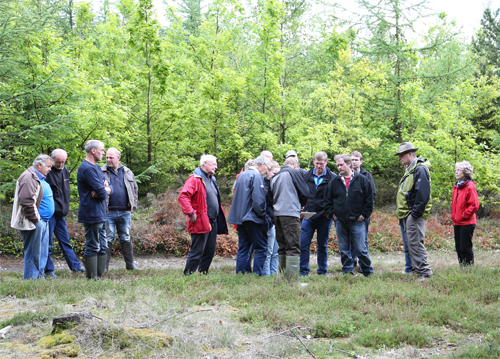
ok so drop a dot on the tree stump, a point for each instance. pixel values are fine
(67, 320)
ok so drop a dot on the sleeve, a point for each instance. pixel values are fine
(187, 193)
(96, 183)
(372, 183)
(259, 196)
(368, 200)
(27, 200)
(422, 190)
(300, 186)
(328, 199)
(472, 202)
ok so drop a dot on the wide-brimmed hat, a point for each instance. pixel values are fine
(405, 147)
(291, 153)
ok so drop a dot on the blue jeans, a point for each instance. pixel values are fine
(121, 220)
(251, 234)
(355, 255)
(352, 235)
(271, 262)
(57, 226)
(321, 224)
(36, 250)
(95, 239)
(408, 264)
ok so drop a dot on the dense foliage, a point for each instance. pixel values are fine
(235, 78)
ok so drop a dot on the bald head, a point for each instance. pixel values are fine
(267, 154)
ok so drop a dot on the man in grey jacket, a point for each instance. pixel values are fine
(119, 206)
(290, 194)
(31, 212)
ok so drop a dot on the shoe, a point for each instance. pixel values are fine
(421, 278)
(410, 273)
(351, 273)
(51, 276)
(369, 275)
(128, 255)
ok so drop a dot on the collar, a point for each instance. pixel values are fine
(38, 174)
(323, 175)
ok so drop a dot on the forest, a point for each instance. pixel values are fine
(233, 78)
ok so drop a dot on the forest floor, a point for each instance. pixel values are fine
(217, 317)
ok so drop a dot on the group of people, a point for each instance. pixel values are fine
(277, 211)
(108, 196)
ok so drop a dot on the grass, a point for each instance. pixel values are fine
(228, 315)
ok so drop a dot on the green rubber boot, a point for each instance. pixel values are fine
(281, 264)
(101, 265)
(90, 264)
(293, 270)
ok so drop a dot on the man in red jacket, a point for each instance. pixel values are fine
(200, 201)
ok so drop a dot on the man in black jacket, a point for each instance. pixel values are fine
(317, 180)
(357, 161)
(58, 179)
(349, 200)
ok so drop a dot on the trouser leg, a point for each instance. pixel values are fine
(198, 241)
(415, 235)
(209, 251)
(463, 243)
(343, 237)
(323, 232)
(307, 229)
(408, 264)
(60, 230)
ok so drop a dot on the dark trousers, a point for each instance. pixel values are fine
(355, 254)
(288, 235)
(57, 227)
(463, 243)
(251, 235)
(202, 250)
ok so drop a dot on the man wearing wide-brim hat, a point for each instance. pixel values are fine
(413, 208)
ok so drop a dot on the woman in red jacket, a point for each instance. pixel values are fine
(463, 212)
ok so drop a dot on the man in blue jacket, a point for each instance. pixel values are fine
(248, 211)
(349, 201)
(317, 180)
(93, 190)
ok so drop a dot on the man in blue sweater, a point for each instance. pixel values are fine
(93, 190)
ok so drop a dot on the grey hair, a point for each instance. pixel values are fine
(261, 160)
(321, 155)
(42, 159)
(291, 161)
(118, 153)
(344, 156)
(207, 158)
(89, 146)
(248, 164)
(57, 152)
(466, 168)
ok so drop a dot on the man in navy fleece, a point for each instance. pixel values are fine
(93, 190)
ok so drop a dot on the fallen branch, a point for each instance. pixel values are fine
(351, 354)
(300, 340)
(298, 327)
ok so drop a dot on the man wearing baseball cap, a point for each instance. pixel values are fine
(413, 208)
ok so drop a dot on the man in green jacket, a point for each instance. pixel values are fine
(413, 207)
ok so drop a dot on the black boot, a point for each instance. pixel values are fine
(108, 255)
(128, 255)
(101, 265)
(90, 264)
